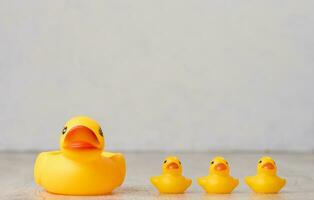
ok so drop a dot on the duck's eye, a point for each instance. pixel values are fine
(260, 161)
(165, 161)
(180, 162)
(212, 162)
(227, 163)
(64, 130)
(100, 132)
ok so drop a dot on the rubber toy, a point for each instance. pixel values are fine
(266, 180)
(80, 167)
(171, 180)
(218, 181)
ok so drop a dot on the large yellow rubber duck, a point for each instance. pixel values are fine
(266, 180)
(171, 180)
(80, 167)
(218, 181)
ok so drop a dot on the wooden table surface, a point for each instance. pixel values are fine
(16, 176)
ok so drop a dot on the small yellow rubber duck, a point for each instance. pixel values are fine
(218, 181)
(266, 180)
(80, 167)
(171, 180)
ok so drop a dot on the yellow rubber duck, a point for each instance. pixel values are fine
(171, 180)
(218, 181)
(266, 180)
(80, 167)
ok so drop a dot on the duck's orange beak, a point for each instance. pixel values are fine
(80, 138)
(172, 166)
(268, 166)
(220, 167)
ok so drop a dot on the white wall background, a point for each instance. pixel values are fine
(159, 75)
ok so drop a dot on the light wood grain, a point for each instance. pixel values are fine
(16, 177)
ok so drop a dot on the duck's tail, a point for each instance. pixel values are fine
(118, 158)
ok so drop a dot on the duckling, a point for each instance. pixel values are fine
(218, 181)
(266, 180)
(80, 167)
(171, 180)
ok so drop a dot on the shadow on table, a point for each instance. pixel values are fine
(145, 193)
(267, 197)
(234, 196)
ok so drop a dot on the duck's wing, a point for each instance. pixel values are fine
(118, 158)
(39, 163)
